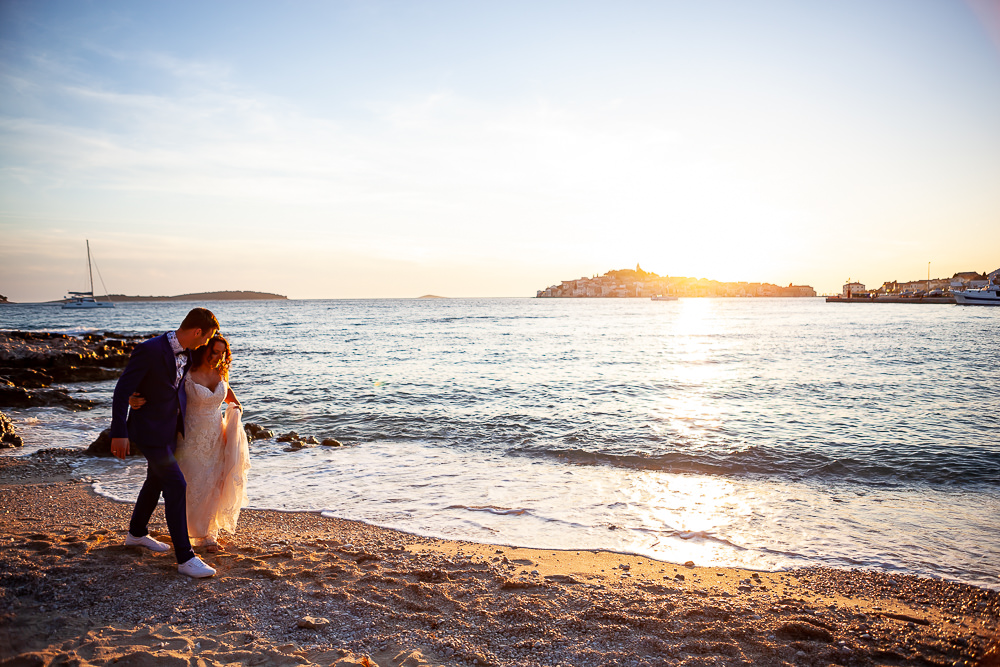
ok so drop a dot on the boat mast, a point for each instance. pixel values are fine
(90, 269)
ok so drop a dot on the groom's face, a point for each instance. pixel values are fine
(202, 338)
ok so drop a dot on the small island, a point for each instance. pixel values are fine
(197, 296)
(625, 283)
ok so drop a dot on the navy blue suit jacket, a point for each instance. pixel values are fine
(151, 371)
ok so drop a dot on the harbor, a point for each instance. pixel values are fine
(888, 298)
(966, 288)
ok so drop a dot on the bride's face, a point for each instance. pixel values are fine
(216, 356)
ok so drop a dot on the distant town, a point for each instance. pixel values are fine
(638, 283)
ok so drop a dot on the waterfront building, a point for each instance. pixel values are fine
(854, 289)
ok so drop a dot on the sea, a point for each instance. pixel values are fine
(762, 433)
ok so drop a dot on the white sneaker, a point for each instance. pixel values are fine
(146, 541)
(196, 568)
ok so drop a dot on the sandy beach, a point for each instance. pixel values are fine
(298, 588)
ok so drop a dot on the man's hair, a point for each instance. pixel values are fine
(200, 318)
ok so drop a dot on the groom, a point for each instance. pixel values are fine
(156, 370)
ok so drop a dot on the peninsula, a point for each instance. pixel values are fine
(638, 283)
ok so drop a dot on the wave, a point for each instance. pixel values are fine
(69, 331)
(889, 468)
(507, 511)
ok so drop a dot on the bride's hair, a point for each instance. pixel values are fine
(201, 353)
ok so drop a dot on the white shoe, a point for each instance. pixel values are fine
(146, 541)
(196, 568)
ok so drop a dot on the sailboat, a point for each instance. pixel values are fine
(86, 299)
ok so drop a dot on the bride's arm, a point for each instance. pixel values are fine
(231, 398)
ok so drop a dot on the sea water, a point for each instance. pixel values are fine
(764, 433)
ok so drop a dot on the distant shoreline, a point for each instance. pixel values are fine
(262, 296)
(197, 296)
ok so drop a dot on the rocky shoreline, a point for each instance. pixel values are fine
(31, 362)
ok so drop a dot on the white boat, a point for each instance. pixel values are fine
(660, 297)
(86, 300)
(987, 296)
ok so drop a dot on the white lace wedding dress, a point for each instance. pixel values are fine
(214, 456)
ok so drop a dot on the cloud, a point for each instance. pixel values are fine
(426, 169)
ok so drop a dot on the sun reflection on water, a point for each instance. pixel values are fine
(694, 369)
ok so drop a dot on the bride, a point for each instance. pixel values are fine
(213, 453)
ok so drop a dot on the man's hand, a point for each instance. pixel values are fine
(119, 447)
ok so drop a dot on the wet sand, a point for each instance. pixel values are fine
(297, 588)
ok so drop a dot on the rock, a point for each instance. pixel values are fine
(412, 658)
(690, 563)
(296, 445)
(287, 437)
(17, 397)
(330, 442)
(679, 577)
(83, 374)
(32, 378)
(43, 350)
(257, 432)
(803, 631)
(28, 378)
(13, 397)
(102, 446)
(311, 440)
(33, 360)
(313, 622)
(8, 438)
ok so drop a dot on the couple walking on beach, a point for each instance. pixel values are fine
(167, 404)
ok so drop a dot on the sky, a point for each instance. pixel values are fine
(395, 149)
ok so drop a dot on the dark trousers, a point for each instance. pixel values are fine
(163, 475)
